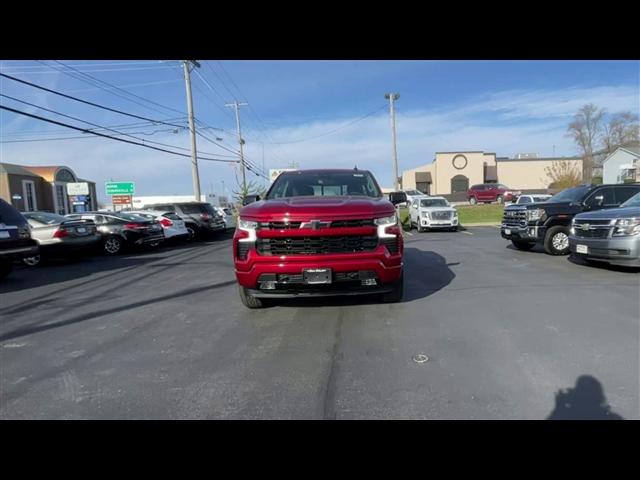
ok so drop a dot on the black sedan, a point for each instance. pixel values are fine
(120, 230)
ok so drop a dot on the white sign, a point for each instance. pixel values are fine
(17, 197)
(78, 188)
(274, 172)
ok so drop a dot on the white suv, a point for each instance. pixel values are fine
(433, 212)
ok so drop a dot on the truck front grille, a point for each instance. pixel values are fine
(441, 215)
(316, 245)
(596, 228)
(282, 225)
(515, 218)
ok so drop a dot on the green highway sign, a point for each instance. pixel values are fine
(120, 188)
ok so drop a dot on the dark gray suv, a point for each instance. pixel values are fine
(199, 217)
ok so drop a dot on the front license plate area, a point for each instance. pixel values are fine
(315, 276)
(582, 249)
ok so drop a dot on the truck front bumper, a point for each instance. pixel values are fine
(347, 271)
(529, 233)
(615, 251)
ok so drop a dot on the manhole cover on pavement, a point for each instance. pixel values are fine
(420, 358)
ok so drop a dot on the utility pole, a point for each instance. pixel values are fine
(264, 180)
(192, 128)
(392, 97)
(237, 106)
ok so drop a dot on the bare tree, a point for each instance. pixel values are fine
(563, 174)
(621, 129)
(585, 129)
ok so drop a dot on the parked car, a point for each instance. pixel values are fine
(120, 230)
(491, 192)
(550, 222)
(173, 226)
(228, 217)
(433, 212)
(59, 235)
(611, 235)
(319, 232)
(15, 238)
(413, 194)
(199, 217)
(532, 198)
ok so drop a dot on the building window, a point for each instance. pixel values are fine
(423, 187)
(29, 195)
(64, 175)
(459, 183)
(61, 201)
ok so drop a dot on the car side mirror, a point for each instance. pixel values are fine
(250, 199)
(397, 197)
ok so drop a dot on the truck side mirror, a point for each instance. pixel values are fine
(397, 197)
(598, 200)
(250, 199)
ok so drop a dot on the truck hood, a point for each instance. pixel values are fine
(533, 206)
(318, 208)
(610, 213)
(437, 209)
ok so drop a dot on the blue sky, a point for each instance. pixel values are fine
(505, 107)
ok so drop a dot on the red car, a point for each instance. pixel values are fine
(317, 233)
(491, 192)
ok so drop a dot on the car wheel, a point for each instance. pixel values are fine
(32, 261)
(500, 200)
(192, 232)
(154, 244)
(5, 268)
(473, 200)
(249, 300)
(112, 245)
(556, 240)
(524, 246)
(397, 293)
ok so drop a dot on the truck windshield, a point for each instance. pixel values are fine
(632, 202)
(434, 202)
(574, 194)
(324, 184)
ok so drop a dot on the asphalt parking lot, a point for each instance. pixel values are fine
(163, 335)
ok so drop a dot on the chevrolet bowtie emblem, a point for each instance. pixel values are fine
(585, 226)
(315, 224)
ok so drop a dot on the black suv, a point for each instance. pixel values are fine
(15, 238)
(550, 222)
(199, 217)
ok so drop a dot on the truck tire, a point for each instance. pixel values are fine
(249, 300)
(556, 240)
(473, 200)
(524, 246)
(396, 294)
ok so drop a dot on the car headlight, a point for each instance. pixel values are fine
(392, 220)
(535, 214)
(426, 215)
(247, 224)
(455, 214)
(626, 227)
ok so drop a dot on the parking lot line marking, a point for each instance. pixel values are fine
(468, 233)
(409, 233)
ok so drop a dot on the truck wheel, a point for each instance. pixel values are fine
(473, 200)
(112, 245)
(5, 268)
(556, 240)
(500, 200)
(396, 294)
(249, 300)
(524, 246)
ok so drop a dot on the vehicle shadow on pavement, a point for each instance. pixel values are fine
(426, 273)
(585, 401)
(602, 265)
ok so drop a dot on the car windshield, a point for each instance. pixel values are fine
(434, 202)
(632, 202)
(413, 192)
(570, 194)
(129, 216)
(324, 184)
(191, 208)
(543, 198)
(46, 218)
(501, 186)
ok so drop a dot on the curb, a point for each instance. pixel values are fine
(482, 224)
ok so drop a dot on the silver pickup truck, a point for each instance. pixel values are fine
(611, 236)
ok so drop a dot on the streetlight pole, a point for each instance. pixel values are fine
(192, 127)
(392, 97)
(237, 106)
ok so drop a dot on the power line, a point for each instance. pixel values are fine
(55, 122)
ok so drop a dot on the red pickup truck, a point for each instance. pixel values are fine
(318, 233)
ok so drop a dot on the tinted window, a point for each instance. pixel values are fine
(602, 197)
(171, 216)
(434, 202)
(197, 208)
(10, 215)
(575, 194)
(625, 193)
(45, 218)
(323, 184)
(524, 200)
(633, 201)
(476, 187)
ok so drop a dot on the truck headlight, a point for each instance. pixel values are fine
(247, 230)
(247, 224)
(535, 214)
(626, 227)
(425, 215)
(392, 220)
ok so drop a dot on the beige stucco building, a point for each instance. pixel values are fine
(452, 173)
